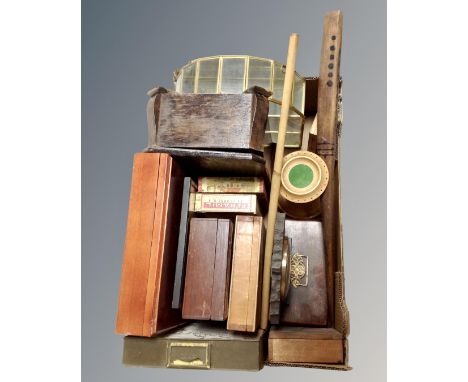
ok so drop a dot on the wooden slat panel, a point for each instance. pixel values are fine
(240, 275)
(165, 317)
(254, 280)
(157, 247)
(222, 271)
(245, 275)
(200, 269)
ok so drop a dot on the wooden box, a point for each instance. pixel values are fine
(198, 345)
(301, 345)
(150, 247)
(306, 303)
(246, 275)
(209, 121)
(235, 185)
(208, 269)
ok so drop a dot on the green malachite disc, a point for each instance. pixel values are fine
(301, 176)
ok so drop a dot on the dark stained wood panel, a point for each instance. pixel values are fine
(306, 304)
(222, 271)
(276, 267)
(208, 269)
(199, 275)
(212, 121)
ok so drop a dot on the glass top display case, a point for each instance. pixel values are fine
(234, 74)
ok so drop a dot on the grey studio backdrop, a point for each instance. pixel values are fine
(129, 47)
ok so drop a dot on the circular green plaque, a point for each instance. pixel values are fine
(301, 176)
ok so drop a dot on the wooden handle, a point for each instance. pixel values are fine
(328, 90)
(275, 181)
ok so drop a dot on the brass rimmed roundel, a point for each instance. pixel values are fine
(304, 177)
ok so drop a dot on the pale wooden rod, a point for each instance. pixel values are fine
(276, 178)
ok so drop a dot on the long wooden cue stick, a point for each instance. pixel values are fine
(328, 90)
(275, 180)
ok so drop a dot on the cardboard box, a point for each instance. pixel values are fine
(204, 346)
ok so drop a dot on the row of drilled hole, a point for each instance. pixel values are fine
(330, 65)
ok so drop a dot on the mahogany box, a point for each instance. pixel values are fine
(306, 302)
(150, 247)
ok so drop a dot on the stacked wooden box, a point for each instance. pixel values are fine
(193, 250)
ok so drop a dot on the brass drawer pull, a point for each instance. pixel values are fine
(188, 355)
